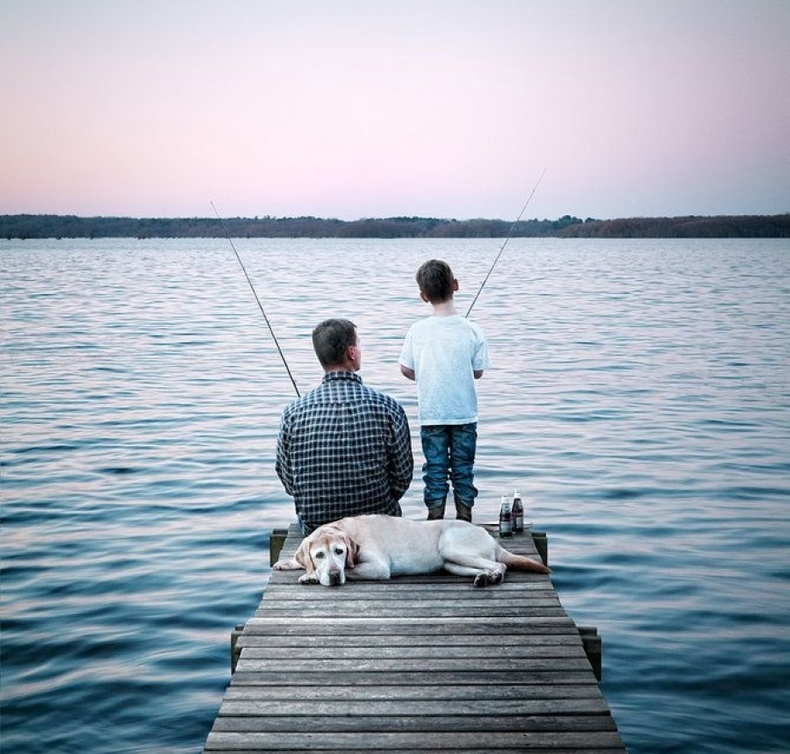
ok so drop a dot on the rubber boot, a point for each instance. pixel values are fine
(463, 512)
(436, 512)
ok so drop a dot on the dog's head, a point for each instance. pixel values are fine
(326, 554)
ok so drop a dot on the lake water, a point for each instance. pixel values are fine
(639, 399)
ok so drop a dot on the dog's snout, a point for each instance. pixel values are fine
(335, 577)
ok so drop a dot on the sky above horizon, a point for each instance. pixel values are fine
(379, 108)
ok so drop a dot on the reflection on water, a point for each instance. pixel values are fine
(639, 398)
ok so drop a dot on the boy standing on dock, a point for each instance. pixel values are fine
(445, 353)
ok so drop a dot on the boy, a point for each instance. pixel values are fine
(445, 353)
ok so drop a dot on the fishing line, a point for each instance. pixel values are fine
(260, 305)
(507, 238)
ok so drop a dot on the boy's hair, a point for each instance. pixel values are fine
(435, 279)
(331, 339)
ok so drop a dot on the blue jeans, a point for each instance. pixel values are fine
(449, 452)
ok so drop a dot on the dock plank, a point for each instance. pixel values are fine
(490, 739)
(416, 664)
(480, 692)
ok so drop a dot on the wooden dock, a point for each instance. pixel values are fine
(415, 664)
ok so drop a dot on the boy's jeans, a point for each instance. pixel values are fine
(449, 452)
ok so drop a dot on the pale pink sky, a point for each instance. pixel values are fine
(377, 108)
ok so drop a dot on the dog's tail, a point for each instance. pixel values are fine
(520, 562)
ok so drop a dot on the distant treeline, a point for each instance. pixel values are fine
(71, 226)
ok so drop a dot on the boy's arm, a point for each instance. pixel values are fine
(407, 373)
(478, 373)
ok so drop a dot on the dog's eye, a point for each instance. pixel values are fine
(339, 551)
(320, 554)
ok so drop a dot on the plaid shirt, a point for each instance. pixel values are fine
(344, 449)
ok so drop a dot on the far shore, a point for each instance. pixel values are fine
(71, 226)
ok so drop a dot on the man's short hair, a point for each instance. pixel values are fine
(435, 279)
(332, 338)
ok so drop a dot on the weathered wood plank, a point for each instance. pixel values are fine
(399, 623)
(489, 739)
(478, 692)
(449, 706)
(430, 625)
(402, 654)
(354, 598)
(432, 664)
(477, 750)
(334, 722)
(400, 588)
(329, 642)
(416, 612)
(469, 677)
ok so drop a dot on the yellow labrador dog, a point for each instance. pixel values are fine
(378, 547)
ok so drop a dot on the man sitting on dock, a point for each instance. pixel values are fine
(344, 449)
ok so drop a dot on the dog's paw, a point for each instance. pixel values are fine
(491, 578)
(308, 578)
(286, 564)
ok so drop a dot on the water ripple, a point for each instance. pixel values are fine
(639, 399)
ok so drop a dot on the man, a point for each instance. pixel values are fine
(344, 449)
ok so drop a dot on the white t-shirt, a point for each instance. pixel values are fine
(444, 352)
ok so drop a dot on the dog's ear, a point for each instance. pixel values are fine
(352, 550)
(302, 555)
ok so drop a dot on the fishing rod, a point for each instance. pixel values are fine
(260, 305)
(507, 238)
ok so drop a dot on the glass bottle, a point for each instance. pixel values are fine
(505, 518)
(518, 513)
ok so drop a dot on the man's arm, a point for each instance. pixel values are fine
(401, 462)
(281, 464)
(406, 372)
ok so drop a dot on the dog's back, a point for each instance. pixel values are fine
(410, 547)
